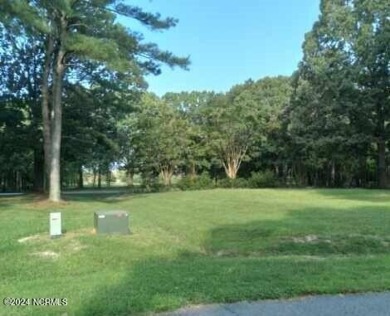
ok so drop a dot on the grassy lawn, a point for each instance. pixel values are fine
(194, 247)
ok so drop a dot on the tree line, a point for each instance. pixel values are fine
(67, 46)
(326, 125)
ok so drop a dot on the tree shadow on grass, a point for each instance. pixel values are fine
(4, 203)
(364, 195)
(109, 198)
(313, 251)
(314, 232)
(11, 201)
(95, 196)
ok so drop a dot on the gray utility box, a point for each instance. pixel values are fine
(112, 222)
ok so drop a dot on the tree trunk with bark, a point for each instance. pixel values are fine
(94, 177)
(46, 113)
(130, 177)
(99, 177)
(166, 174)
(56, 126)
(382, 178)
(38, 181)
(192, 171)
(231, 164)
(80, 181)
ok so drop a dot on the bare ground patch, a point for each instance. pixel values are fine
(47, 254)
(45, 237)
(67, 244)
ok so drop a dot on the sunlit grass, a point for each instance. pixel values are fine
(194, 247)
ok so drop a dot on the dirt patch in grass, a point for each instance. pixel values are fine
(304, 245)
(61, 246)
(46, 254)
(67, 244)
(30, 238)
(75, 246)
(310, 239)
(45, 204)
(65, 236)
(333, 245)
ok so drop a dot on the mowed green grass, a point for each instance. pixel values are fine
(194, 247)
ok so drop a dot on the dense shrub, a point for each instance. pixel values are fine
(264, 179)
(151, 183)
(232, 183)
(201, 182)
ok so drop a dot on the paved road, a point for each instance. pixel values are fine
(92, 191)
(371, 304)
(10, 194)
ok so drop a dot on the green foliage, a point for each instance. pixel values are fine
(340, 104)
(81, 44)
(264, 179)
(159, 137)
(227, 183)
(149, 185)
(190, 106)
(230, 130)
(199, 182)
(327, 125)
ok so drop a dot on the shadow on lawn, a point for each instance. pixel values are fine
(109, 198)
(314, 232)
(260, 260)
(40, 201)
(4, 203)
(10, 201)
(365, 195)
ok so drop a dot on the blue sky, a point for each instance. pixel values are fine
(229, 41)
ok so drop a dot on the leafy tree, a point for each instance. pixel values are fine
(19, 97)
(76, 31)
(271, 96)
(90, 132)
(233, 122)
(159, 136)
(190, 106)
(343, 85)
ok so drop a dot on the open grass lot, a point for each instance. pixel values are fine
(195, 247)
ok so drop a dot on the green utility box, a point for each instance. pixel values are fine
(112, 222)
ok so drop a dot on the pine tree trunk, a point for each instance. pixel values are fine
(46, 112)
(56, 126)
(55, 185)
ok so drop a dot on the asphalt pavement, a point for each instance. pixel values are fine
(368, 304)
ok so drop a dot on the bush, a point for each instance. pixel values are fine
(151, 183)
(264, 179)
(200, 182)
(233, 183)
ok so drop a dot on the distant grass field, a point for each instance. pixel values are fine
(194, 247)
